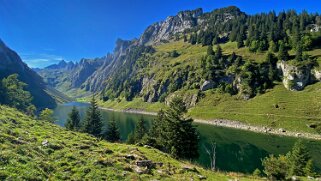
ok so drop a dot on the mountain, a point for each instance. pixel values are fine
(11, 63)
(65, 77)
(39, 150)
(162, 31)
(62, 65)
(223, 58)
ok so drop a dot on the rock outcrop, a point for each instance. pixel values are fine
(295, 78)
(208, 84)
(172, 25)
(190, 98)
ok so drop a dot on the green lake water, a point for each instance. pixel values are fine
(237, 150)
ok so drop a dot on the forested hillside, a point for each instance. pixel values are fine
(11, 63)
(214, 58)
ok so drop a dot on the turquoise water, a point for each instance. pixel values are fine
(237, 150)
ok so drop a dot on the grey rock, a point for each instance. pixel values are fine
(45, 143)
(145, 163)
(172, 25)
(294, 78)
(208, 84)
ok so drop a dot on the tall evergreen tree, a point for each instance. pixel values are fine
(140, 129)
(73, 121)
(210, 50)
(240, 42)
(112, 134)
(283, 53)
(218, 52)
(299, 52)
(177, 135)
(298, 159)
(93, 122)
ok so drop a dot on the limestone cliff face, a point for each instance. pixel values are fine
(295, 78)
(97, 81)
(172, 25)
(152, 90)
(190, 98)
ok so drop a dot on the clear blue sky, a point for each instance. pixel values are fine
(46, 31)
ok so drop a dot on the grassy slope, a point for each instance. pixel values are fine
(78, 156)
(296, 109)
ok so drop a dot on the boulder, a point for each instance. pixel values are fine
(45, 143)
(294, 78)
(130, 157)
(145, 163)
(208, 84)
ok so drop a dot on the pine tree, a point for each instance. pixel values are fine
(131, 138)
(193, 39)
(218, 52)
(177, 135)
(299, 52)
(298, 159)
(73, 121)
(210, 50)
(93, 122)
(272, 47)
(240, 42)
(140, 130)
(215, 40)
(283, 53)
(112, 134)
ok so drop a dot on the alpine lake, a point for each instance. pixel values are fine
(236, 150)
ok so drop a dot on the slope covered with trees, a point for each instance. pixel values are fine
(224, 56)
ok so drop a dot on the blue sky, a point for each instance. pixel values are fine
(46, 31)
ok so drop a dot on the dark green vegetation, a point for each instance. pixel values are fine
(73, 121)
(173, 133)
(112, 134)
(13, 94)
(298, 162)
(38, 150)
(93, 122)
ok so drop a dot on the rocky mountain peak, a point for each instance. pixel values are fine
(61, 64)
(173, 24)
(190, 13)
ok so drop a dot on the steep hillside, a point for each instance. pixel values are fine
(37, 150)
(11, 63)
(277, 107)
(223, 56)
(69, 77)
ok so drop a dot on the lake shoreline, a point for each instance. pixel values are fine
(231, 124)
